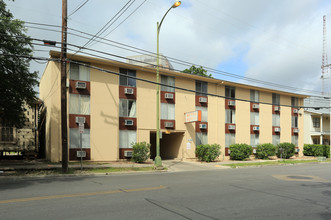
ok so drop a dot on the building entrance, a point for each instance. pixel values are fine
(169, 145)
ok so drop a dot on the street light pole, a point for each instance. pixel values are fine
(158, 160)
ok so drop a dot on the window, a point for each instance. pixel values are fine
(295, 140)
(230, 116)
(7, 134)
(275, 99)
(127, 108)
(255, 119)
(255, 140)
(75, 138)
(204, 113)
(79, 104)
(316, 141)
(316, 122)
(294, 101)
(79, 72)
(230, 92)
(168, 80)
(201, 88)
(127, 138)
(294, 121)
(275, 120)
(201, 138)
(255, 96)
(126, 81)
(230, 139)
(275, 139)
(167, 111)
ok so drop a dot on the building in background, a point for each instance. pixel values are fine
(149, 60)
(121, 110)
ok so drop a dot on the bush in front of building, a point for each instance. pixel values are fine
(140, 152)
(316, 150)
(208, 152)
(264, 151)
(240, 151)
(285, 150)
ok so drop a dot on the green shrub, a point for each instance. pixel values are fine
(263, 151)
(240, 151)
(285, 150)
(308, 150)
(140, 152)
(327, 151)
(316, 150)
(208, 152)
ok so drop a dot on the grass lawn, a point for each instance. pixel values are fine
(267, 163)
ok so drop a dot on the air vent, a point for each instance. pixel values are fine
(81, 153)
(169, 96)
(277, 129)
(231, 127)
(231, 103)
(295, 111)
(203, 126)
(169, 124)
(256, 106)
(203, 100)
(297, 150)
(128, 153)
(295, 130)
(277, 108)
(128, 91)
(256, 128)
(129, 122)
(80, 85)
(80, 120)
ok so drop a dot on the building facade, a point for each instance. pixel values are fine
(120, 110)
(317, 127)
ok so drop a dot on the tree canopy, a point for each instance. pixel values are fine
(197, 71)
(16, 81)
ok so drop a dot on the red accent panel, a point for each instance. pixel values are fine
(254, 109)
(122, 125)
(273, 130)
(122, 95)
(197, 128)
(227, 131)
(122, 153)
(254, 132)
(227, 151)
(73, 124)
(227, 104)
(163, 124)
(273, 109)
(73, 90)
(73, 154)
(164, 100)
(197, 103)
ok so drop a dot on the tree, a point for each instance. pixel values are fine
(197, 71)
(16, 81)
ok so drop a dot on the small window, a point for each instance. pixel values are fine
(127, 138)
(127, 108)
(79, 72)
(201, 138)
(294, 121)
(255, 118)
(275, 120)
(7, 134)
(230, 139)
(275, 139)
(168, 80)
(204, 113)
(316, 122)
(275, 99)
(79, 104)
(255, 140)
(75, 138)
(126, 81)
(167, 111)
(295, 140)
(201, 88)
(230, 92)
(294, 102)
(255, 96)
(230, 116)
(316, 141)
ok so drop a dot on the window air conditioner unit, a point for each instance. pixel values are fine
(231, 127)
(203, 126)
(80, 153)
(80, 120)
(295, 111)
(297, 150)
(277, 108)
(256, 106)
(169, 96)
(295, 130)
(256, 128)
(254, 151)
(231, 103)
(128, 91)
(80, 85)
(127, 153)
(129, 122)
(277, 130)
(203, 100)
(169, 124)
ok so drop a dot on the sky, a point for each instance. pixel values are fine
(274, 41)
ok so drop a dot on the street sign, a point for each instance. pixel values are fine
(81, 128)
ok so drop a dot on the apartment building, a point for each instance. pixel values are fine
(120, 110)
(317, 127)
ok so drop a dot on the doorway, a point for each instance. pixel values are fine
(169, 144)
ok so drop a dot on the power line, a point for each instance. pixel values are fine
(79, 7)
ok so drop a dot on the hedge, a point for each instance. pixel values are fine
(240, 151)
(316, 150)
(140, 152)
(208, 152)
(264, 151)
(285, 150)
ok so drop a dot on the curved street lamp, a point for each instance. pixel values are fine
(158, 160)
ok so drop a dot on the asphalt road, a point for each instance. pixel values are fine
(277, 192)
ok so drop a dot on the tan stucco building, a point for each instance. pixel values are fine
(120, 110)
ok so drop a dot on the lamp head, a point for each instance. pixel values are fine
(176, 4)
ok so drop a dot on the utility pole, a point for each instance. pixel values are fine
(64, 127)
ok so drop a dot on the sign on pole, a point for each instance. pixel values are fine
(81, 128)
(192, 116)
